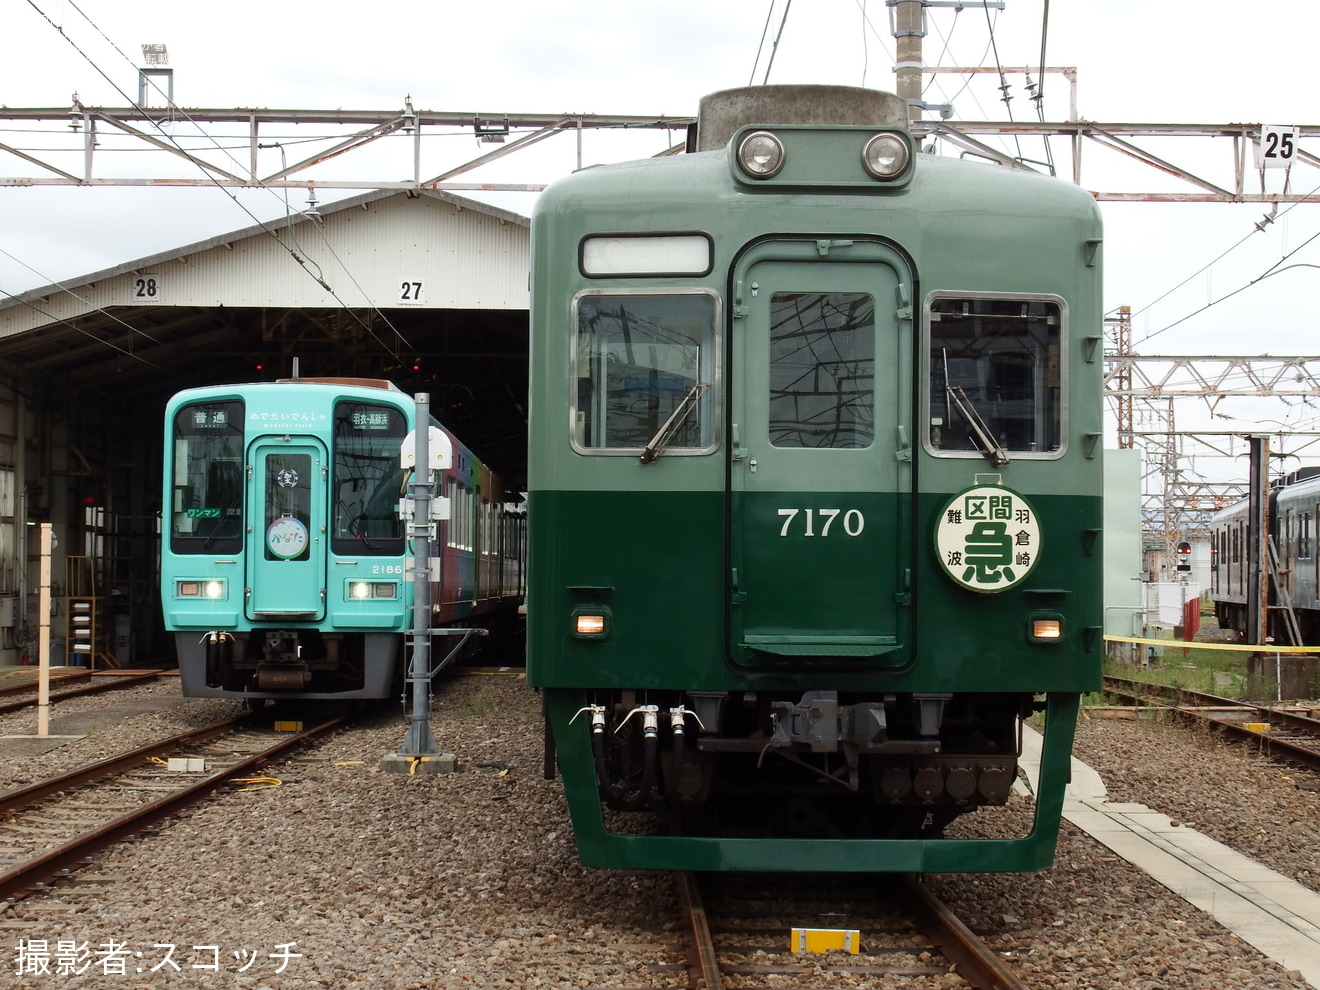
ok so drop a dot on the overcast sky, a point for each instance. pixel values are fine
(1210, 62)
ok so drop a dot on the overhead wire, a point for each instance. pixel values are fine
(395, 351)
(87, 302)
(967, 82)
(1257, 229)
(760, 47)
(1268, 273)
(84, 331)
(1038, 97)
(866, 51)
(1003, 81)
(1040, 75)
(934, 79)
(774, 48)
(318, 275)
(869, 26)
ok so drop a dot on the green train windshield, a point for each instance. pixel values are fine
(995, 376)
(822, 369)
(639, 356)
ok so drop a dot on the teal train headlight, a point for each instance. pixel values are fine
(885, 156)
(760, 155)
(360, 591)
(213, 589)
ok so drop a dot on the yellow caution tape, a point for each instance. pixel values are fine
(1238, 647)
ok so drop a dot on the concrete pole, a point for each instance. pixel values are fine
(909, 28)
(43, 634)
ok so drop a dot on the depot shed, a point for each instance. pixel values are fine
(427, 290)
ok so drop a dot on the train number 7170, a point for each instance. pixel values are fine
(853, 521)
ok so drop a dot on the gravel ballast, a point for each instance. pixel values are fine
(471, 879)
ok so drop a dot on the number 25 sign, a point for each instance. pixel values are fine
(1278, 146)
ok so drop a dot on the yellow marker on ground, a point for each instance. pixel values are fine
(826, 940)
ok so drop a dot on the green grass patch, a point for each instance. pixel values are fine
(1222, 672)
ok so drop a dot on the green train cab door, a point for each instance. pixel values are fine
(286, 534)
(820, 472)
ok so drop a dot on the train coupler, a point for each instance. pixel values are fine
(283, 677)
(821, 724)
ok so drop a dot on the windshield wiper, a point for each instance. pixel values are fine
(220, 521)
(666, 432)
(992, 449)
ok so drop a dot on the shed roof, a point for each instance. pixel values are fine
(427, 290)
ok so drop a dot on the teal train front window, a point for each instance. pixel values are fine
(995, 375)
(822, 369)
(206, 500)
(367, 480)
(644, 364)
(288, 506)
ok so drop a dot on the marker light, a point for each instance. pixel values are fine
(760, 155)
(885, 156)
(589, 625)
(1046, 629)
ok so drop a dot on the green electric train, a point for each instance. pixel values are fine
(814, 493)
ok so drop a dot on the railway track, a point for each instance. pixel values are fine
(53, 827)
(887, 927)
(1290, 737)
(12, 702)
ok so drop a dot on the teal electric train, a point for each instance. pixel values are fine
(286, 566)
(814, 492)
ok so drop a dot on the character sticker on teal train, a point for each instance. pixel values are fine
(987, 538)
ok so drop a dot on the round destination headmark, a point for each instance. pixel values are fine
(987, 538)
(286, 537)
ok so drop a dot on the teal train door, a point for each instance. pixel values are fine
(286, 543)
(820, 479)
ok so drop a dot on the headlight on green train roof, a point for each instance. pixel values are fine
(885, 156)
(761, 155)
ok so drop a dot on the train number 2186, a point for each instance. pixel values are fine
(823, 519)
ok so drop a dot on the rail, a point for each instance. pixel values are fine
(96, 687)
(67, 857)
(875, 905)
(1230, 716)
